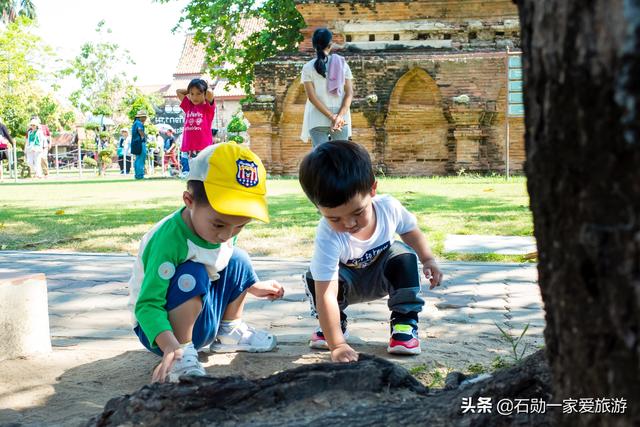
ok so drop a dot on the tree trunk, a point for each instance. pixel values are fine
(581, 61)
(371, 392)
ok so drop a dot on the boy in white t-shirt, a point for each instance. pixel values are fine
(356, 258)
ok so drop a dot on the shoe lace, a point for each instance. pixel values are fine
(189, 362)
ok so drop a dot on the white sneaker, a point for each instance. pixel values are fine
(188, 365)
(243, 338)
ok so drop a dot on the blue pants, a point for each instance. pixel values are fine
(184, 162)
(322, 134)
(237, 277)
(138, 165)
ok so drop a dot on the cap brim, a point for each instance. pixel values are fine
(238, 203)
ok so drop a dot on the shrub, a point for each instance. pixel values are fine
(89, 162)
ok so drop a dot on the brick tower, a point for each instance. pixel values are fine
(437, 68)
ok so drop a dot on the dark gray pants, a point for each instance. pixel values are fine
(394, 273)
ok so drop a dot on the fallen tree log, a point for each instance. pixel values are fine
(371, 392)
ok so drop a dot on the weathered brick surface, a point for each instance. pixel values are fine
(415, 128)
(463, 15)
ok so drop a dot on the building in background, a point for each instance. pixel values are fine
(430, 83)
(191, 65)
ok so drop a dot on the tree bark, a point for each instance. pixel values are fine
(581, 63)
(371, 392)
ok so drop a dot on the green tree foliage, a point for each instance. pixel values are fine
(135, 101)
(23, 56)
(231, 53)
(98, 69)
(53, 114)
(23, 62)
(11, 10)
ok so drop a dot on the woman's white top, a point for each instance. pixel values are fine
(312, 116)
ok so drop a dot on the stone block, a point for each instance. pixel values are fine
(24, 316)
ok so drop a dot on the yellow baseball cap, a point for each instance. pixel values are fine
(234, 178)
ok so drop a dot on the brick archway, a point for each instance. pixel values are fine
(290, 126)
(416, 128)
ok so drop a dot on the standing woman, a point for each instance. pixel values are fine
(33, 147)
(328, 83)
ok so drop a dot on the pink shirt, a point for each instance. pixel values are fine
(196, 134)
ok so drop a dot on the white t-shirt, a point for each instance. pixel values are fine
(312, 116)
(332, 248)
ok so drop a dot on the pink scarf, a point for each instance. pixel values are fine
(335, 76)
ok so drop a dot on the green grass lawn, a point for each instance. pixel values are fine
(110, 214)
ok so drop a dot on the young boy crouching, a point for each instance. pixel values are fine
(356, 257)
(189, 281)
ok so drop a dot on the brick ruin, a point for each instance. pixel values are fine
(438, 71)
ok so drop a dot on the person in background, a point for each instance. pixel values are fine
(139, 143)
(327, 80)
(124, 151)
(33, 147)
(6, 145)
(184, 158)
(199, 110)
(170, 150)
(44, 159)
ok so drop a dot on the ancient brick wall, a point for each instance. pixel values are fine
(414, 128)
(465, 22)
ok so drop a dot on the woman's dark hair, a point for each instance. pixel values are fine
(196, 188)
(334, 172)
(199, 84)
(321, 40)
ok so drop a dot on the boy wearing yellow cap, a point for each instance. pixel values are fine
(189, 281)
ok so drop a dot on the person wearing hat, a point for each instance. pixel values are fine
(190, 281)
(124, 151)
(139, 143)
(34, 147)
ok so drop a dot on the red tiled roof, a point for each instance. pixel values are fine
(64, 139)
(192, 60)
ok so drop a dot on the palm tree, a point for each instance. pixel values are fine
(12, 9)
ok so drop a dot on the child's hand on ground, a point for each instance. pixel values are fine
(168, 359)
(270, 289)
(432, 273)
(343, 353)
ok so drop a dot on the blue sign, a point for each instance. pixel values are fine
(515, 101)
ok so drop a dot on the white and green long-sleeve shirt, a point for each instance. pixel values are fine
(167, 245)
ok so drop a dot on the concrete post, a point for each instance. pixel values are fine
(24, 316)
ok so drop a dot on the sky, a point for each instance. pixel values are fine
(140, 26)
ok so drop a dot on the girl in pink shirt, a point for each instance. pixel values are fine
(199, 108)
